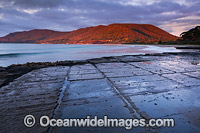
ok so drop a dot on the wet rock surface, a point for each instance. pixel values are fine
(34, 93)
(145, 86)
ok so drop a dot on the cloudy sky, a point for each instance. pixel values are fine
(65, 15)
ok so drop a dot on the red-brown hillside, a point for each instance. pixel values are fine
(31, 36)
(113, 33)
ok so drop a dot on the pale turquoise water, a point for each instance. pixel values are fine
(23, 53)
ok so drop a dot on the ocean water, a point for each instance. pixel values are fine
(23, 53)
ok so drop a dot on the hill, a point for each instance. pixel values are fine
(31, 36)
(111, 34)
(191, 36)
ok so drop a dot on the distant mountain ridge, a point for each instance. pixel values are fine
(110, 34)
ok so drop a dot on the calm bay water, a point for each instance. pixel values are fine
(23, 53)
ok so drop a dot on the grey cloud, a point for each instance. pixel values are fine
(68, 15)
(31, 3)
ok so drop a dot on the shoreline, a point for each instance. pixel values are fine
(33, 53)
(12, 72)
(113, 50)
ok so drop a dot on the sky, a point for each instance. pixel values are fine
(173, 16)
